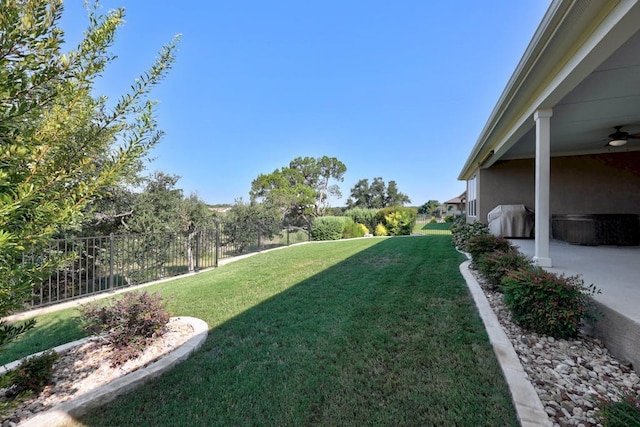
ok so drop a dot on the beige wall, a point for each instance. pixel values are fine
(605, 183)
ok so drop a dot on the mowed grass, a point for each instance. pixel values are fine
(432, 228)
(361, 332)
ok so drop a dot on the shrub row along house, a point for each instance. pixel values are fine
(564, 142)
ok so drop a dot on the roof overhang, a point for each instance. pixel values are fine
(583, 63)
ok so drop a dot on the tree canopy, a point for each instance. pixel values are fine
(301, 189)
(60, 146)
(429, 207)
(377, 195)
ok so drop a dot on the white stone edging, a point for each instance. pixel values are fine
(525, 399)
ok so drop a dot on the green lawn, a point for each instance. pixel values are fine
(360, 332)
(432, 228)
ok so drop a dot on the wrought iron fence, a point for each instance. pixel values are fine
(428, 225)
(107, 263)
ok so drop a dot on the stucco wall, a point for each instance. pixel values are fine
(605, 183)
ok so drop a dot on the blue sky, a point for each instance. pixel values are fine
(399, 90)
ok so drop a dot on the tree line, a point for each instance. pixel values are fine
(72, 165)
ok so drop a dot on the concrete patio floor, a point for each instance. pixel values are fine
(615, 270)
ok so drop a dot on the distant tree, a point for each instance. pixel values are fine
(61, 147)
(158, 207)
(377, 195)
(162, 209)
(394, 197)
(242, 224)
(429, 208)
(301, 189)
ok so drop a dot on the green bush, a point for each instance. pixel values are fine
(624, 413)
(328, 227)
(494, 265)
(547, 303)
(480, 245)
(432, 220)
(448, 218)
(380, 230)
(461, 232)
(364, 216)
(130, 323)
(352, 230)
(33, 373)
(398, 220)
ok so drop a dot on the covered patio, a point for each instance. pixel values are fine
(614, 270)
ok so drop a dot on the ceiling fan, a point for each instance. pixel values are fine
(620, 137)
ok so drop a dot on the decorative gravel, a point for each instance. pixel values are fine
(570, 376)
(86, 367)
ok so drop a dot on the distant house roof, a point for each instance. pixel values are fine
(457, 200)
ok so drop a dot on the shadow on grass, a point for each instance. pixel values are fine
(388, 336)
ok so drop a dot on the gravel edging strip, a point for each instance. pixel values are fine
(67, 411)
(528, 405)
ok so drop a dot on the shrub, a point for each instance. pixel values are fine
(547, 303)
(432, 220)
(33, 373)
(129, 323)
(494, 265)
(461, 232)
(328, 227)
(624, 413)
(398, 220)
(483, 244)
(352, 230)
(364, 216)
(448, 218)
(380, 230)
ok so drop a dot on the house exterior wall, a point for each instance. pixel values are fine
(603, 183)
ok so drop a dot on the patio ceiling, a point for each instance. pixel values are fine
(583, 64)
(583, 119)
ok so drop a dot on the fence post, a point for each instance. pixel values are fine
(258, 230)
(217, 244)
(198, 250)
(111, 262)
(287, 234)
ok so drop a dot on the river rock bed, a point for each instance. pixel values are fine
(86, 367)
(571, 377)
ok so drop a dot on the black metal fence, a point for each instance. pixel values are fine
(428, 225)
(107, 263)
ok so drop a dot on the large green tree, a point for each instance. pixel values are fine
(429, 207)
(60, 146)
(301, 189)
(378, 195)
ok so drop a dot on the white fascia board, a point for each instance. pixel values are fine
(616, 28)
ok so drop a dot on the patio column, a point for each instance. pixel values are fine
(543, 139)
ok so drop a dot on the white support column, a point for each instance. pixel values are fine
(543, 140)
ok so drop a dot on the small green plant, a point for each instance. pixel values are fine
(129, 323)
(494, 265)
(352, 230)
(432, 220)
(366, 216)
(380, 230)
(398, 220)
(448, 218)
(482, 244)
(328, 227)
(33, 373)
(547, 303)
(624, 413)
(461, 232)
